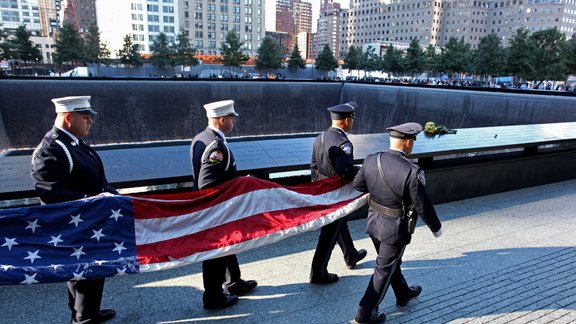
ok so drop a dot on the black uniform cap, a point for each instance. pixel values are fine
(408, 130)
(343, 111)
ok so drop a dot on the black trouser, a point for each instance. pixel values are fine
(84, 298)
(386, 272)
(336, 231)
(218, 272)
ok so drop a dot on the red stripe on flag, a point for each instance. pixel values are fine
(174, 204)
(232, 233)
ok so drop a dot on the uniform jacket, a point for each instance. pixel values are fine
(212, 160)
(407, 180)
(332, 154)
(63, 170)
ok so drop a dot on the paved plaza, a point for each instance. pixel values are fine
(505, 258)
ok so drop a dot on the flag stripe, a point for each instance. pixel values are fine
(250, 233)
(236, 208)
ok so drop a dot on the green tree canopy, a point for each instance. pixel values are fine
(455, 56)
(69, 46)
(392, 61)
(325, 61)
(184, 54)
(431, 59)
(105, 54)
(22, 48)
(162, 52)
(370, 60)
(296, 61)
(3, 45)
(232, 51)
(570, 54)
(415, 60)
(129, 54)
(549, 60)
(92, 46)
(520, 56)
(489, 58)
(269, 55)
(353, 59)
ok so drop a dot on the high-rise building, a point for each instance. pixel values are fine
(207, 22)
(16, 13)
(49, 11)
(142, 20)
(80, 13)
(434, 22)
(329, 27)
(293, 17)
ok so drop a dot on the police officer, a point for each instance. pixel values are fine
(397, 197)
(333, 154)
(64, 168)
(213, 164)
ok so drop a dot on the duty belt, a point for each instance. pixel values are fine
(385, 210)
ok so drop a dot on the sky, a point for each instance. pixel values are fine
(271, 12)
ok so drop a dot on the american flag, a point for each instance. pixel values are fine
(106, 236)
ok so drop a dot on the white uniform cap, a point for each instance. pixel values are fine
(220, 108)
(73, 104)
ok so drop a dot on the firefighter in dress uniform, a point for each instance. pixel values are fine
(213, 164)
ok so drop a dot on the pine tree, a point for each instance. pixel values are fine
(269, 55)
(129, 53)
(325, 61)
(162, 52)
(296, 61)
(92, 46)
(69, 46)
(22, 48)
(184, 54)
(232, 51)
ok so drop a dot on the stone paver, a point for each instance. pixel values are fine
(505, 258)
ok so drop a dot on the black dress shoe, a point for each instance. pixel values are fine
(415, 291)
(376, 318)
(242, 287)
(106, 315)
(330, 278)
(361, 255)
(222, 302)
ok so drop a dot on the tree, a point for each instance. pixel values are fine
(431, 59)
(162, 52)
(455, 56)
(370, 60)
(570, 54)
(4, 49)
(489, 59)
(353, 59)
(184, 54)
(22, 48)
(269, 55)
(92, 46)
(232, 51)
(415, 60)
(69, 46)
(105, 54)
(325, 61)
(520, 56)
(296, 61)
(549, 62)
(392, 61)
(129, 53)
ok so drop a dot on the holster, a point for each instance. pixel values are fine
(412, 218)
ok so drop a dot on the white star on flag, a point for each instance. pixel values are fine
(78, 276)
(30, 279)
(33, 256)
(78, 252)
(116, 214)
(121, 272)
(97, 235)
(75, 220)
(9, 243)
(100, 262)
(56, 239)
(55, 266)
(6, 267)
(119, 247)
(32, 225)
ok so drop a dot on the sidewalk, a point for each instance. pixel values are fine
(505, 258)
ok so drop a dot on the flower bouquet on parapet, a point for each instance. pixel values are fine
(431, 129)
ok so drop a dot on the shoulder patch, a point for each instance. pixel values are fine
(216, 157)
(347, 148)
(422, 178)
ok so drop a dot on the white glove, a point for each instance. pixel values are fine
(438, 233)
(105, 194)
